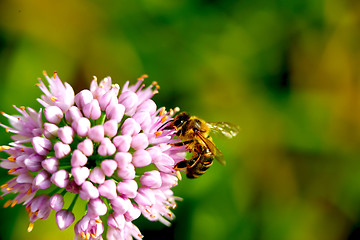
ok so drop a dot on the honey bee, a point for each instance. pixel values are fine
(195, 135)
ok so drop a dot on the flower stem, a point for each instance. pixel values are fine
(73, 203)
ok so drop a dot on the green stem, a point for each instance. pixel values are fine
(73, 203)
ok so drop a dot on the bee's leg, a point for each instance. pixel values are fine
(187, 162)
(179, 144)
(181, 165)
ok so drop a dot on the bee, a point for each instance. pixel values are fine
(195, 135)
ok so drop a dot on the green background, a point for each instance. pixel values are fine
(285, 71)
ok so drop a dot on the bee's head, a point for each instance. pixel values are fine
(179, 121)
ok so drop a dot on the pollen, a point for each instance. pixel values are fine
(53, 98)
(37, 85)
(4, 148)
(140, 235)
(9, 189)
(22, 108)
(158, 133)
(14, 203)
(178, 175)
(98, 220)
(163, 119)
(162, 111)
(44, 73)
(12, 170)
(4, 185)
(7, 203)
(30, 227)
(144, 76)
(29, 191)
(11, 159)
(7, 129)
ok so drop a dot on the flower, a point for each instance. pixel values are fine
(105, 145)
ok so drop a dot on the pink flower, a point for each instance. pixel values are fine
(64, 219)
(94, 146)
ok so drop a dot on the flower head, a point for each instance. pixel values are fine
(105, 146)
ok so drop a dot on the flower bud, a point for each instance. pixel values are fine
(86, 147)
(97, 175)
(165, 163)
(128, 188)
(61, 150)
(88, 191)
(151, 179)
(80, 174)
(96, 207)
(116, 220)
(81, 126)
(120, 204)
(92, 110)
(66, 134)
(128, 172)
(111, 128)
(106, 147)
(56, 202)
(50, 164)
(53, 114)
(123, 159)
(73, 187)
(168, 180)
(64, 219)
(73, 114)
(145, 197)
(108, 98)
(96, 133)
(108, 167)
(108, 189)
(130, 127)
(122, 142)
(147, 106)
(115, 112)
(144, 119)
(42, 180)
(25, 178)
(33, 162)
(139, 141)
(82, 98)
(133, 213)
(41, 145)
(78, 159)
(50, 130)
(60, 178)
(130, 100)
(141, 158)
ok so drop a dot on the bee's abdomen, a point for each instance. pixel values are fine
(200, 167)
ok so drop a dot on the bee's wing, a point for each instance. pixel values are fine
(214, 150)
(226, 129)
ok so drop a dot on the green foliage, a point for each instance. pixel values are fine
(284, 71)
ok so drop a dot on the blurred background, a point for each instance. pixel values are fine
(285, 71)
